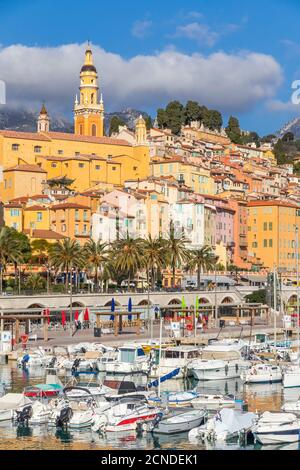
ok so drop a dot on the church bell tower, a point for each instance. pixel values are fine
(89, 109)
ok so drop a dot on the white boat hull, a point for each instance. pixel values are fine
(220, 373)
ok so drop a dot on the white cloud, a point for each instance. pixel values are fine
(141, 29)
(231, 83)
(198, 32)
(282, 106)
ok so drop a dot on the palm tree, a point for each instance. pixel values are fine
(36, 283)
(201, 259)
(65, 255)
(176, 251)
(97, 256)
(126, 256)
(10, 251)
(154, 256)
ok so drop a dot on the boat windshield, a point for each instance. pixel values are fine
(127, 355)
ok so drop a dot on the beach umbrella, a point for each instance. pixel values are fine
(183, 305)
(76, 316)
(130, 309)
(86, 315)
(63, 318)
(197, 306)
(112, 309)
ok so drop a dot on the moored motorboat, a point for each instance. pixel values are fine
(10, 403)
(124, 416)
(262, 373)
(131, 359)
(272, 428)
(173, 358)
(226, 425)
(176, 423)
(291, 376)
(220, 360)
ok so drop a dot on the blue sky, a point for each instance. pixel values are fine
(239, 57)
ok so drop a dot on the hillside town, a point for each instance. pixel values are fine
(227, 196)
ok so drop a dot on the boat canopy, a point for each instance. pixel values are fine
(11, 401)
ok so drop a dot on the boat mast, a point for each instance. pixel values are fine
(275, 310)
(159, 361)
(297, 290)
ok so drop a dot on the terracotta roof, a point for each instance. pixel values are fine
(24, 135)
(36, 208)
(82, 138)
(13, 205)
(68, 205)
(276, 202)
(44, 234)
(25, 167)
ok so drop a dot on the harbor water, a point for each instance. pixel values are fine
(263, 397)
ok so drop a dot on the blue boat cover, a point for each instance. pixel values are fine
(164, 378)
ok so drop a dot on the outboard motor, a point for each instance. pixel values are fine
(75, 365)
(64, 417)
(24, 415)
(52, 362)
(25, 360)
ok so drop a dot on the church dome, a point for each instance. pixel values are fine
(88, 68)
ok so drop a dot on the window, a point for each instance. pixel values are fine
(81, 165)
(14, 212)
(94, 130)
(39, 216)
(76, 214)
(265, 243)
(77, 154)
(53, 165)
(135, 168)
(114, 168)
(85, 215)
(271, 243)
(15, 147)
(37, 149)
(98, 167)
(76, 229)
(270, 225)
(63, 228)
(265, 226)
(60, 152)
(85, 229)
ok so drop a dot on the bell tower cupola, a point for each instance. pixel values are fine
(89, 107)
(43, 122)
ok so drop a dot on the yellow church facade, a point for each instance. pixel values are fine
(87, 156)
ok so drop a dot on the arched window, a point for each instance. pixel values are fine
(94, 130)
(92, 98)
(81, 129)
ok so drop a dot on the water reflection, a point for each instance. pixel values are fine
(259, 397)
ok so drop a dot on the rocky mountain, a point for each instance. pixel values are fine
(25, 121)
(292, 126)
(129, 116)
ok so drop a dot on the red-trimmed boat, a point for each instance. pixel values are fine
(43, 391)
